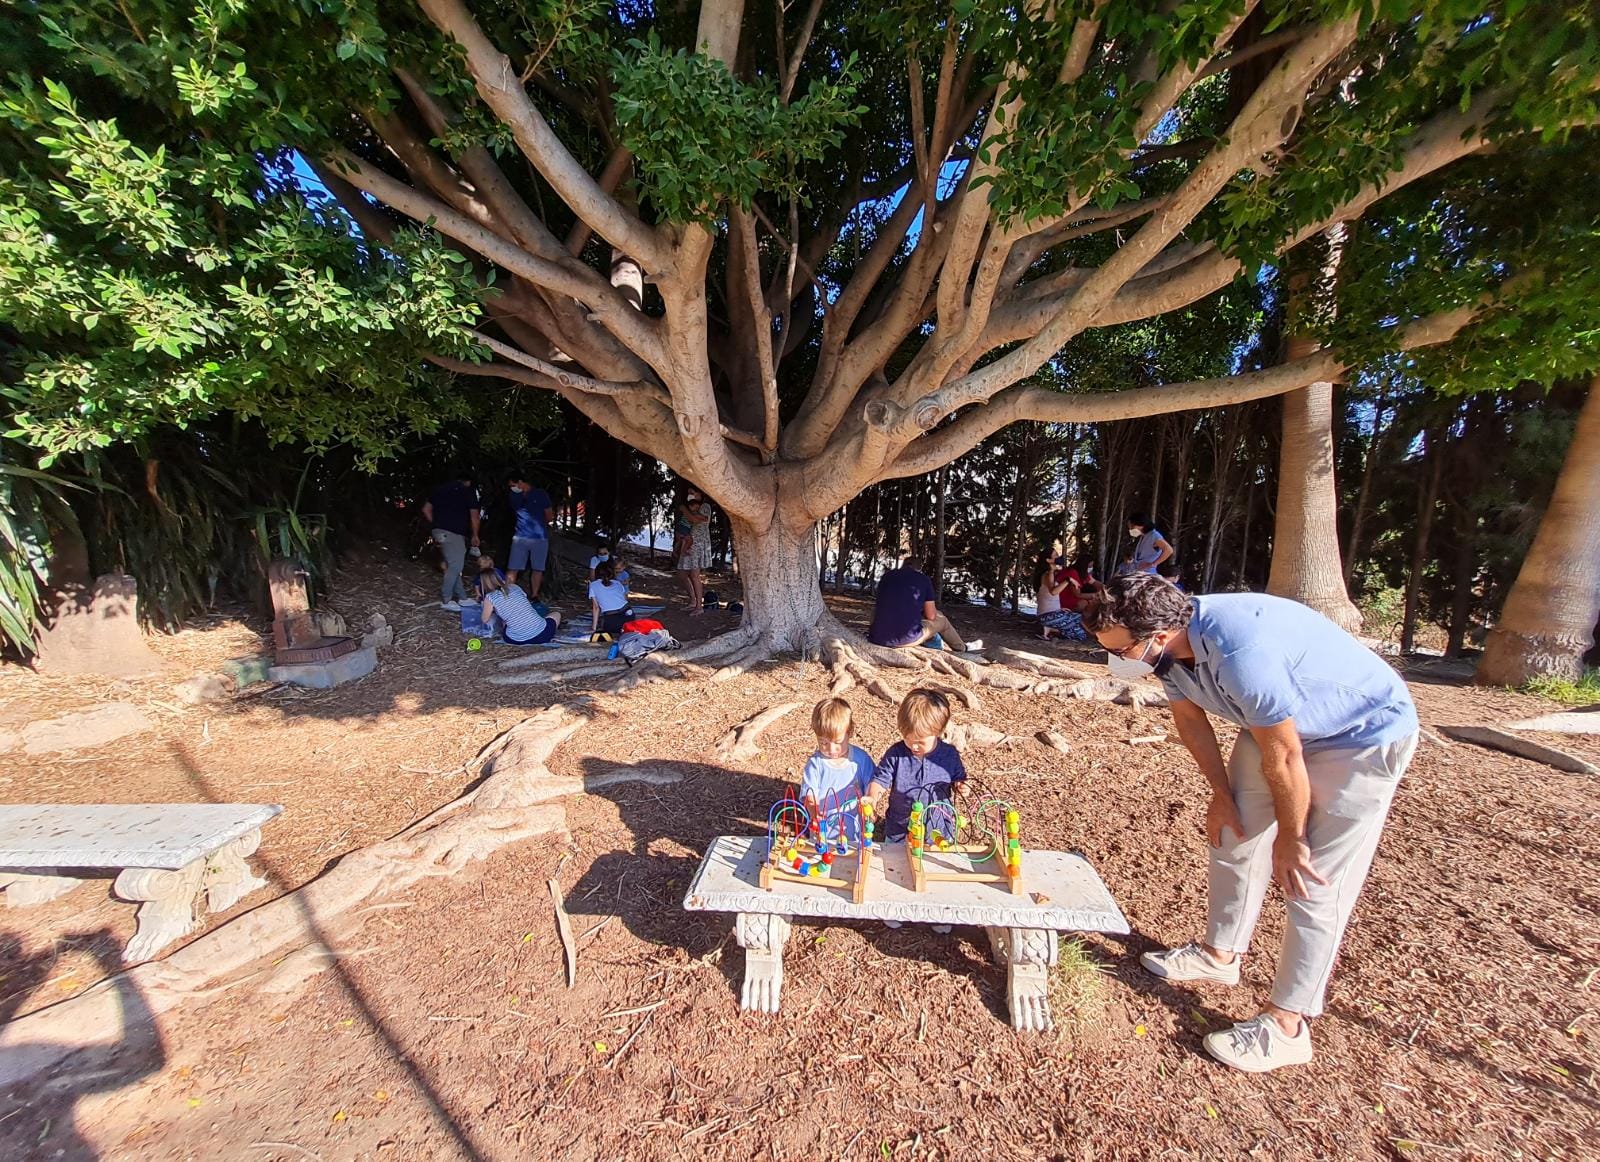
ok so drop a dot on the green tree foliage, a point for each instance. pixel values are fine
(159, 262)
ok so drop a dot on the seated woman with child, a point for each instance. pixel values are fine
(522, 624)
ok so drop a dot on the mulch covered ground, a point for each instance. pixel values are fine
(1463, 1020)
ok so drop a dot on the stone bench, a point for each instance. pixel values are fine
(1062, 893)
(164, 857)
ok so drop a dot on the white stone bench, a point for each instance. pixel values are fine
(1062, 893)
(164, 856)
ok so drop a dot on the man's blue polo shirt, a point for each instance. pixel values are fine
(1259, 660)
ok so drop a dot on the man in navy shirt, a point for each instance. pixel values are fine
(905, 613)
(452, 512)
(1327, 729)
(530, 539)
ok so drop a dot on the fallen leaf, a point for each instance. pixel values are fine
(194, 1103)
(1378, 1109)
(67, 983)
(347, 1022)
(1139, 1030)
(1199, 1018)
(599, 1046)
(1211, 1112)
(515, 1001)
(527, 936)
(339, 1116)
(381, 1095)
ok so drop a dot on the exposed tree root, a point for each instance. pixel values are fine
(512, 803)
(543, 656)
(744, 740)
(1033, 663)
(969, 700)
(966, 736)
(1054, 741)
(740, 662)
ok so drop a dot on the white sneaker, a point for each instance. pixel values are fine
(973, 646)
(893, 924)
(450, 606)
(1191, 962)
(1259, 1045)
(942, 929)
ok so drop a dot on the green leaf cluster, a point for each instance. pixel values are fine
(703, 137)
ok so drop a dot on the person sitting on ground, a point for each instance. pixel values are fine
(921, 768)
(1049, 583)
(609, 599)
(838, 772)
(1150, 548)
(523, 625)
(905, 613)
(601, 555)
(1078, 587)
(530, 539)
(1327, 729)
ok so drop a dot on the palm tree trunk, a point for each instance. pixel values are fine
(1305, 541)
(1549, 618)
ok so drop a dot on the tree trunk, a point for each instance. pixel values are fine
(1180, 487)
(1419, 550)
(1305, 540)
(1364, 495)
(782, 592)
(1462, 576)
(941, 482)
(1550, 614)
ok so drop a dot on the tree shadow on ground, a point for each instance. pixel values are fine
(43, 1121)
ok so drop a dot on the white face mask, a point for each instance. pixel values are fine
(1132, 669)
(1136, 532)
(1128, 669)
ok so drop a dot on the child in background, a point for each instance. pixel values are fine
(838, 771)
(921, 767)
(609, 599)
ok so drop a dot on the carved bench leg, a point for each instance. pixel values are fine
(762, 936)
(228, 878)
(167, 903)
(1028, 954)
(24, 891)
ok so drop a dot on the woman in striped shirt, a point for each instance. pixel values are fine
(522, 624)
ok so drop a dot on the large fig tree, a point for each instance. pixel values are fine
(794, 250)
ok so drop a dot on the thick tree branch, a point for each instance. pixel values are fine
(1025, 402)
(1266, 120)
(502, 91)
(570, 278)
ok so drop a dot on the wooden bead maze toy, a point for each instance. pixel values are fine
(991, 836)
(809, 843)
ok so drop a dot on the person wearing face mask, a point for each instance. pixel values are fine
(1327, 730)
(1150, 549)
(530, 539)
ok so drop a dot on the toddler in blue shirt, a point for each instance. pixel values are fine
(837, 772)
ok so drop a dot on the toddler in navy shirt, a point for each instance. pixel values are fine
(922, 767)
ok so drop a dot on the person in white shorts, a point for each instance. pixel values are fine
(1328, 729)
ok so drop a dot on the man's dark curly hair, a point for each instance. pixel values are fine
(1142, 603)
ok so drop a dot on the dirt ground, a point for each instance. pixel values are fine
(1463, 1020)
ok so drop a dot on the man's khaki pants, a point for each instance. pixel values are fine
(941, 625)
(1351, 791)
